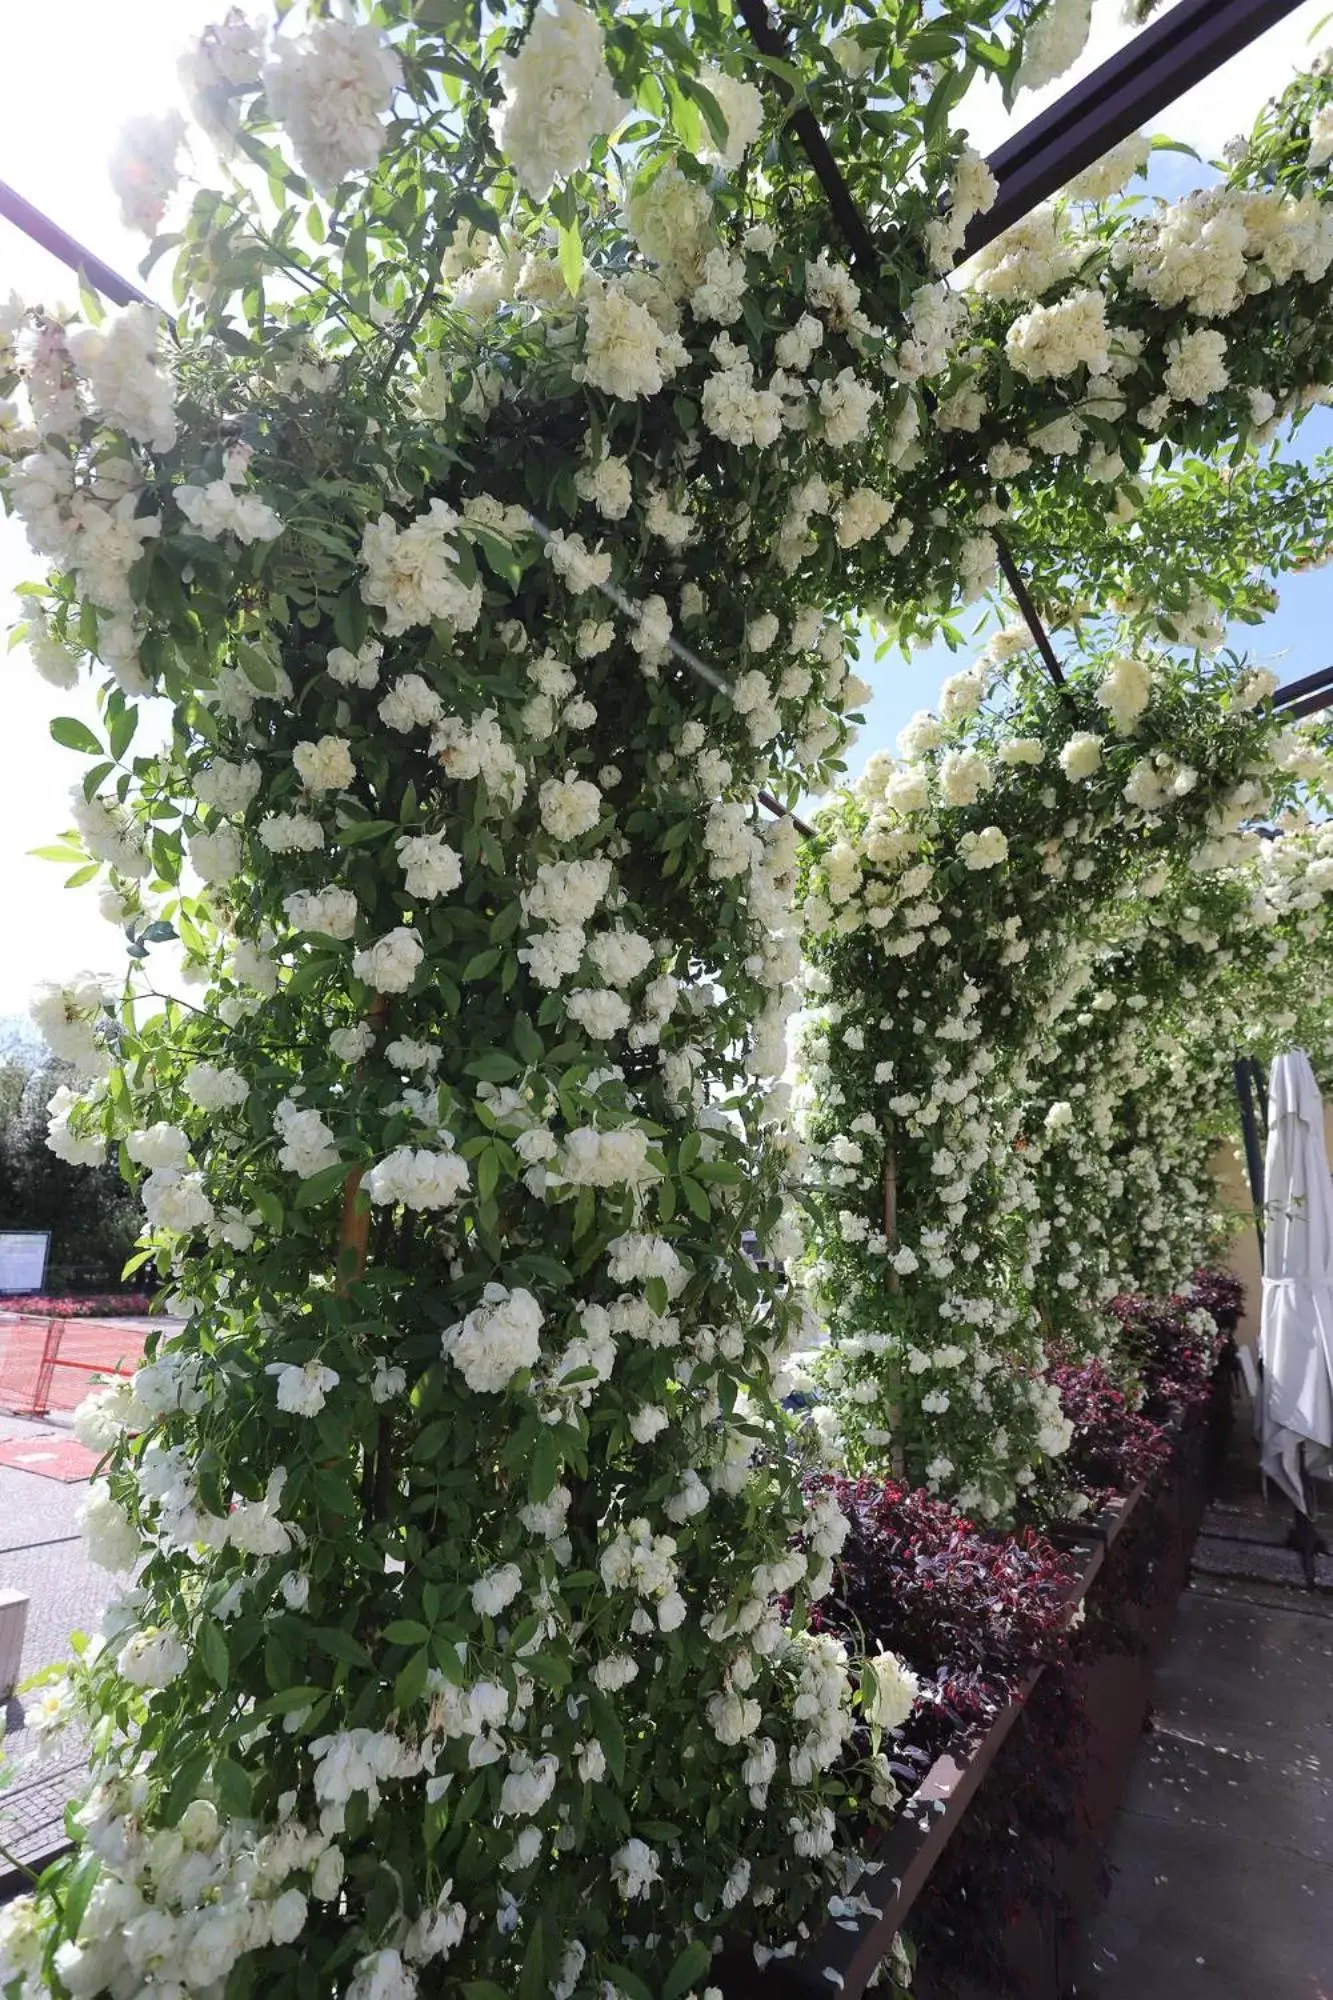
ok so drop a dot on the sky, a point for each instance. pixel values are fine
(76, 72)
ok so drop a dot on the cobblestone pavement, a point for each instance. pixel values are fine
(41, 1554)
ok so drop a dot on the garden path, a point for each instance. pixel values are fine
(1222, 1855)
(41, 1553)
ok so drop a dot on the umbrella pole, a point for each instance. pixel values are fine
(1302, 1535)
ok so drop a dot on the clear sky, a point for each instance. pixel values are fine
(74, 73)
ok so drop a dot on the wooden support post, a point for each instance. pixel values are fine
(892, 1283)
(352, 1254)
(354, 1225)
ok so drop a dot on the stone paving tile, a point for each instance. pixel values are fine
(35, 1511)
(41, 1553)
(1222, 1856)
(1260, 1560)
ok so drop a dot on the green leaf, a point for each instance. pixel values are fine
(527, 1041)
(72, 734)
(481, 965)
(495, 1066)
(504, 923)
(288, 1701)
(233, 1785)
(466, 1809)
(544, 1465)
(340, 1645)
(697, 1198)
(532, 1982)
(314, 1192)
(571, 257)
(712, 111)
(356, 262)
(500, 556)
(693, 1962)
(610, 1734)
(213, 1646)
(629, 1982)
(364, 829)
(406, 1632)
(120, 731)
(410, 1684)
(269, 1207)
(76, 1890)
(184, 1786)
(257, 667)
(551, 1668)
(94, 311)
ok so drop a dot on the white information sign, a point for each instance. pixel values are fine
(23, 1259)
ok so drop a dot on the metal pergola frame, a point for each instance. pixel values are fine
(51, 237)
(1181, 48)
(1307, 695)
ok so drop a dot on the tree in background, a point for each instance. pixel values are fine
(91, 1214)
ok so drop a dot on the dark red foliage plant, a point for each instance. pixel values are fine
(1113, 1448)
(1174, 1344)
(1219, 1293)
(971, 1611)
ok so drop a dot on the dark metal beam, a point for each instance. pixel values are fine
(60, 244)
(770, 41)
(1180, 49)
(1310, 704)
(1294, 691)
(779, 811)
(1013, 576)
(1249, 1084)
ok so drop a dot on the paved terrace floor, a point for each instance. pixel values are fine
(41, 1553)
(1222, 1856)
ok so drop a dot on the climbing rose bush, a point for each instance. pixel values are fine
(955, 1097)
(483, 526)
(1015, 1058)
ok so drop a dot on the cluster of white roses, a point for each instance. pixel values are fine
(970, 1141)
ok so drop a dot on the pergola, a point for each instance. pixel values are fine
(1183, 47)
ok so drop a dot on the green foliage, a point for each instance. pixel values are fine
(91, 1215)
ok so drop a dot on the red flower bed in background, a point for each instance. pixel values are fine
(95, 1305)
(1220, 1294)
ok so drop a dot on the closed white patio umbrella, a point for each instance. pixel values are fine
(1296, 1333)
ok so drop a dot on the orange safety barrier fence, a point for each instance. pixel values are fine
(49, 1364)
